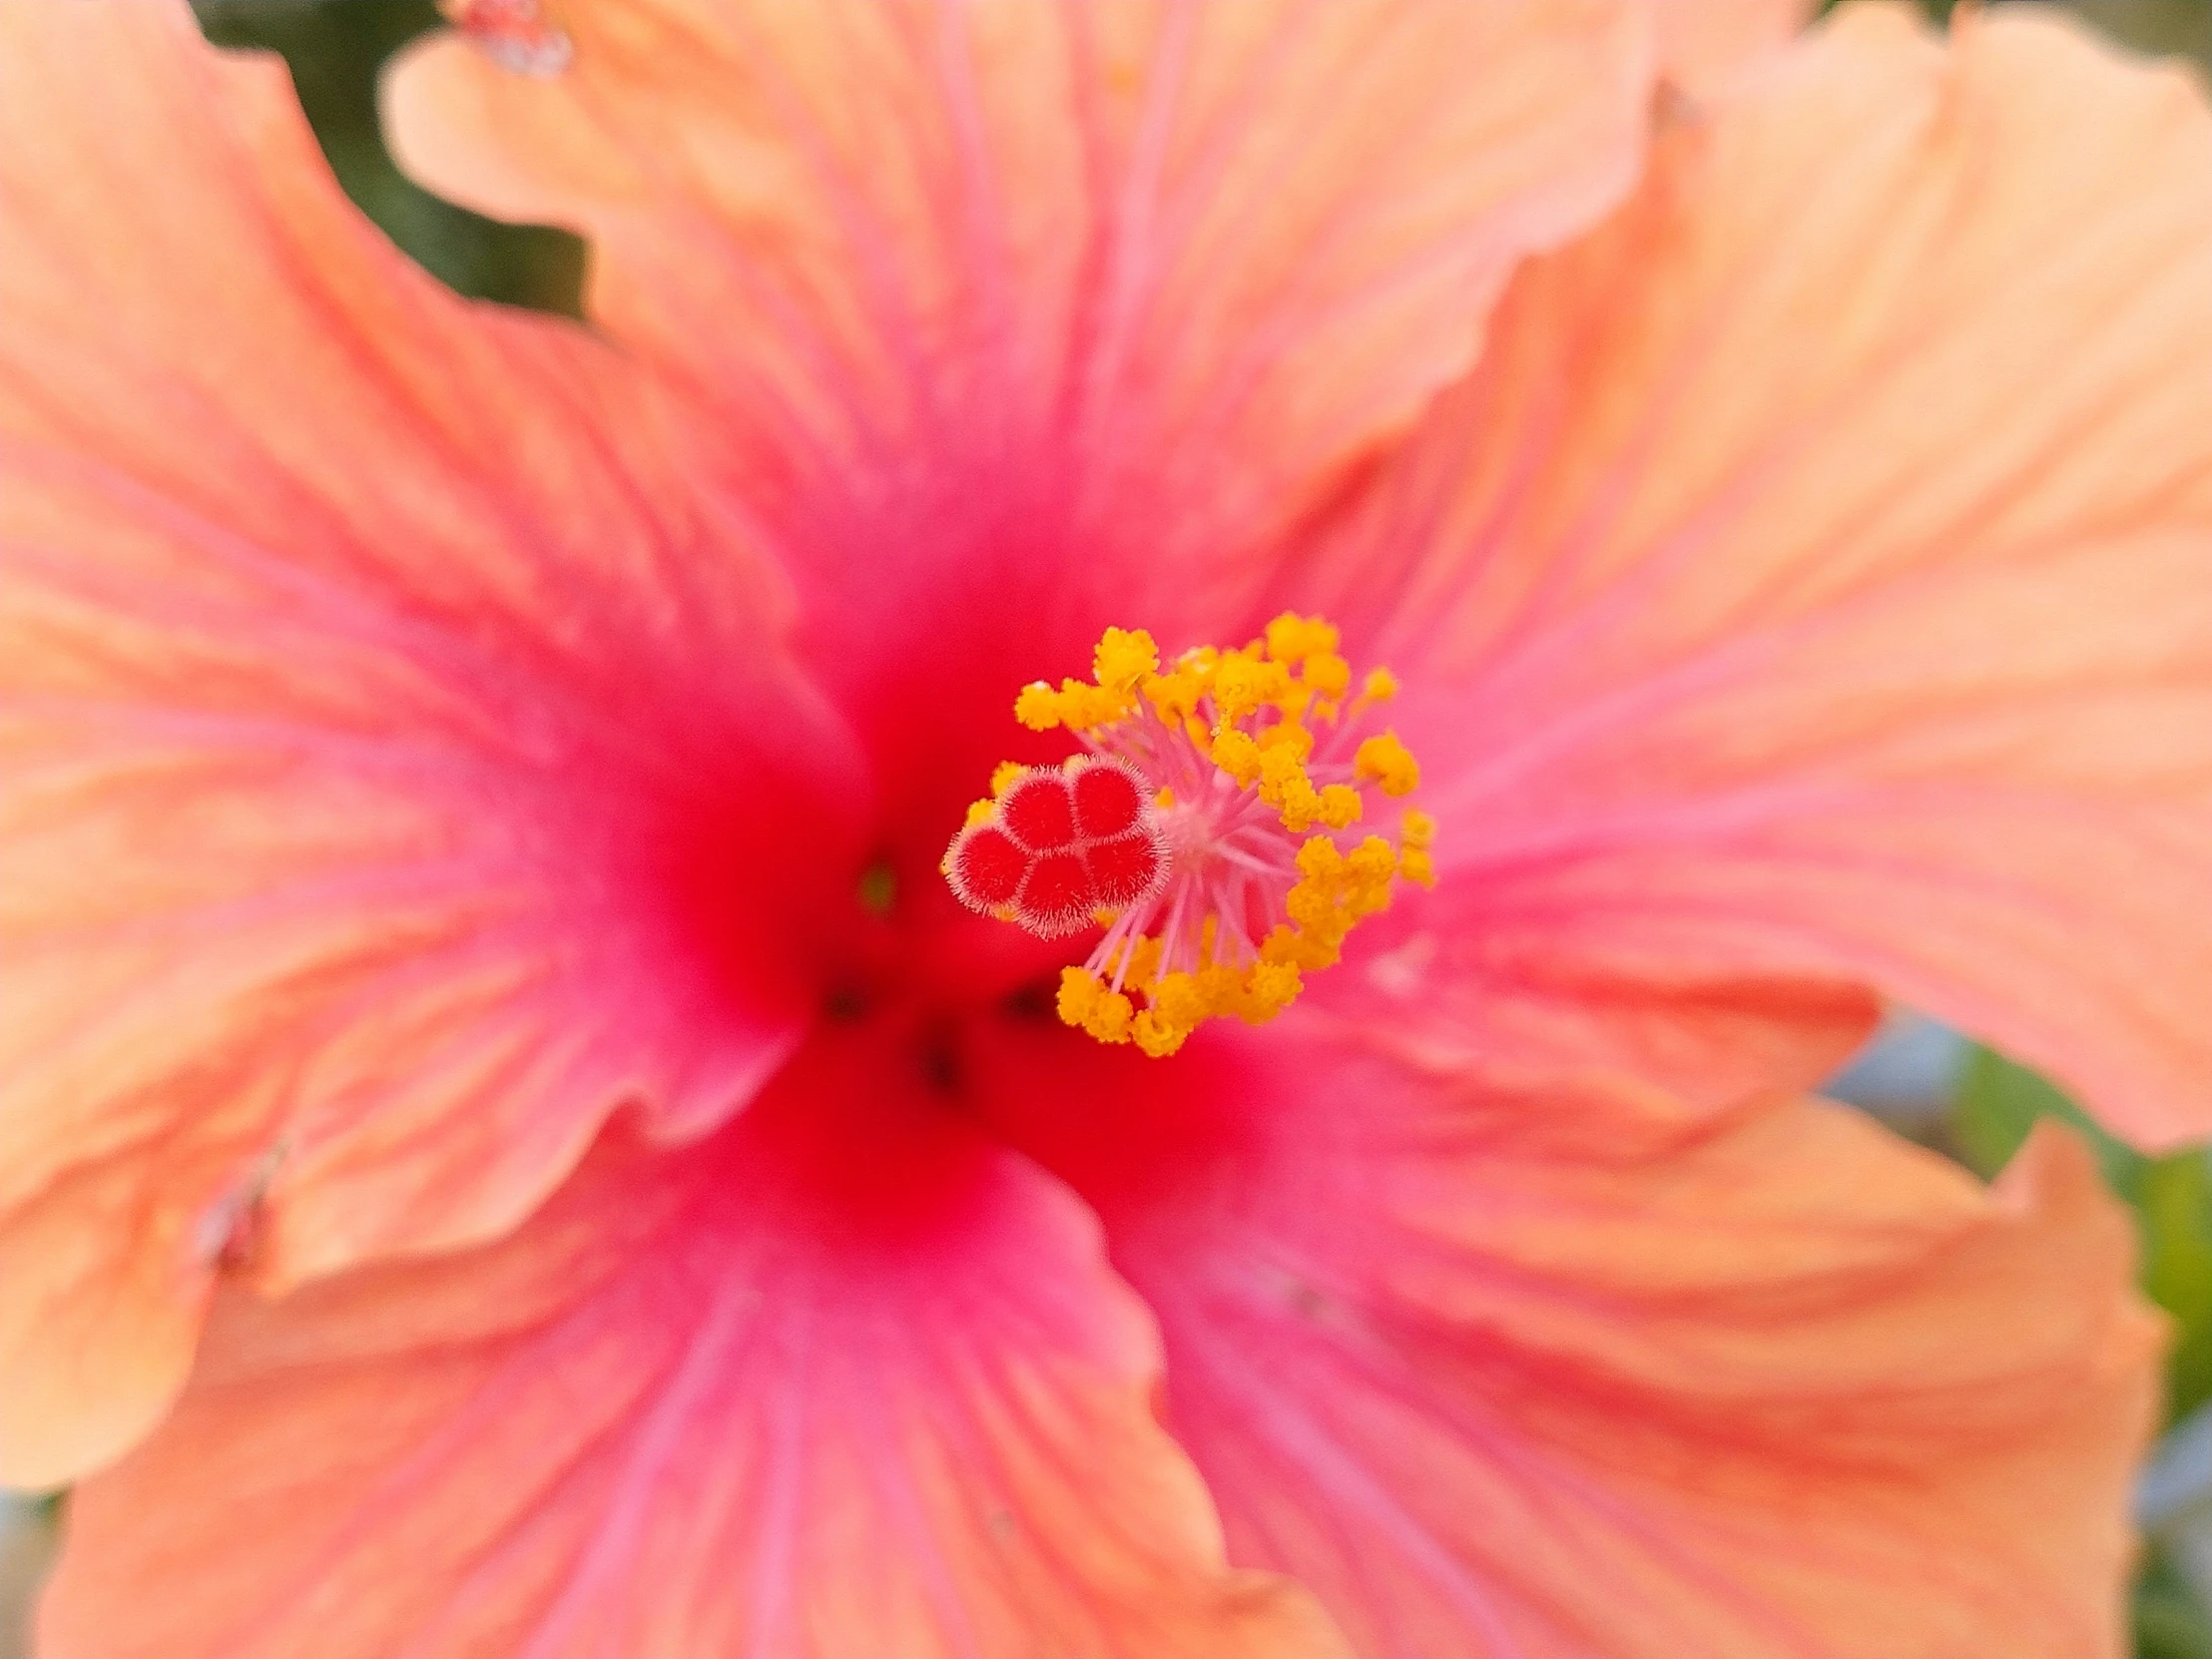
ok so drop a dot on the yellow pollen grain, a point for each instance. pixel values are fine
(1003, 776)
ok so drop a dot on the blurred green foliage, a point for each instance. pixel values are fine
(2169, 1624)
(334, 49)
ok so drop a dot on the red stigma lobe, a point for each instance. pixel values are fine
(1058, 847)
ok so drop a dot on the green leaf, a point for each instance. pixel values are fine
(2168, 1622)
(2174, 1202)
(1998, 1102)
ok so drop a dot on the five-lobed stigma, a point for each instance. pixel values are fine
(1206, 826)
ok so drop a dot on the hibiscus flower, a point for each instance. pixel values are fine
(513, 1146)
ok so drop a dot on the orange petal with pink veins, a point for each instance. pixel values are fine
(844, 1380)
(376, 709)
(1820, 563)
(1198, 254)
(1516, 1374)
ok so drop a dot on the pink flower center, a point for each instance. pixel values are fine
(1200, 828)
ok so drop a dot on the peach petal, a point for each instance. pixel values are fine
(1603, 1373)
(1461, 983)
(1822, 573)
(377, 704)
(844, 1380)
(1705, 45)
(1176, 262)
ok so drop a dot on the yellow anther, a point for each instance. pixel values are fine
(1123, 658)
(1288, 734)
(1320, 859)
(1164, 799)
(1299, 803)
(1311, 906)
(1327, 675)
(1388, 762)
(1415, 864)
(1003, 776)
(1038, 706)
(1372, 861)
(1157, 1038)
(1111, 1019)
(1380, 686)
(1340, 806)
(1272, 987)
(1083, 707)
(1174, 694)
(1241, 686)
(1177, 999)
(1221, 988)
(1292, 638)
(1237, 753)
(1417, 829)
(1278, 767)
(978, 811)
(1086, 1003)
(1080, 990)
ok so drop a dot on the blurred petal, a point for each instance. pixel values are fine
(767, 1394)
(1605, 1373)
(1705, 44)
(378, 705)
(1821, 561)
(1172, 258)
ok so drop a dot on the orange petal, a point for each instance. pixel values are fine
(1592, 1374)
(1199, 253)
(841, 1381)
(1456, 981)
(371, 691)
(1822, 557)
